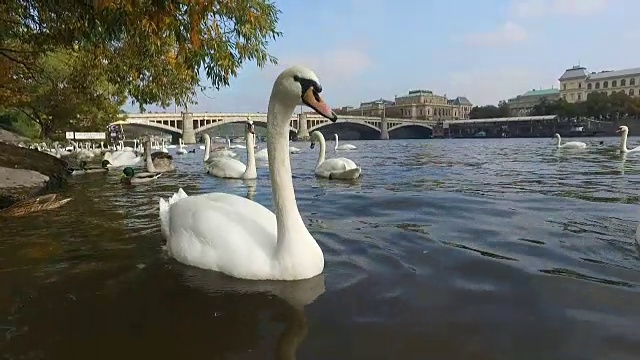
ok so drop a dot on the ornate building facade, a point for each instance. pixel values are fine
(577, 83)
(417, 104)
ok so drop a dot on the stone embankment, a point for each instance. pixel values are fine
(26, 172)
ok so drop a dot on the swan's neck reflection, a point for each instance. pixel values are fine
(294, 333)
(297, 294)
(251, 188)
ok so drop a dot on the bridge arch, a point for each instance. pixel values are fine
(261, 122)
(149, 124)
(348, 130)
(410, 131)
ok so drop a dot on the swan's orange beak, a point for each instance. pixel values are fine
(312, 99)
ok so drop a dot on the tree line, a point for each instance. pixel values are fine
(71, 66)
(598, 105)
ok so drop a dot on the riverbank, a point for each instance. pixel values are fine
(26, 172)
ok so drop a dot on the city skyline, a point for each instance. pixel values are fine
(486, 52)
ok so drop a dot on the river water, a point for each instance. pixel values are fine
(444, 249)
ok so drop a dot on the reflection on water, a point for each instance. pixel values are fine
(444, 249)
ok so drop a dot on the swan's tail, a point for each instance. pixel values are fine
(165, 205)
(347, 174)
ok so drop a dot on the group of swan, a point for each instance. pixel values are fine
(255, 243)
(624, 133)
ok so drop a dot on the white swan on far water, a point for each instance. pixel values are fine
(230, 168)
(342, 147)
(624, 131)
(237, 236)
(336, 168)
(568, 145)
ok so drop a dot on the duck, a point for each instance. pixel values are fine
(237, 236)
(159, 161)
(229, 168)
(36, 204)
(336, 168)
(83, 169)
(131, 177)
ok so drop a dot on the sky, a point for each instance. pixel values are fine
(485, 50)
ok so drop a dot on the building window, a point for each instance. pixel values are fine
(564, 96)
(605, 84)
(632, 82)
(579, 85)
(631, 92)
(614, 83)
(589, 86)
(564, 86)
(597, 85)
(579, 97)
(623, 82)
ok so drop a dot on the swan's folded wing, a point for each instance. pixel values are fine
(222, 232)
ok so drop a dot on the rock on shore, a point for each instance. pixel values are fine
(26, 172)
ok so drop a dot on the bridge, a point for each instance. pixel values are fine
(187, 124)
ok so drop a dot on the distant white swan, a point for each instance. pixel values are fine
(623, 141)
(336, 168)
(568, 145)
(342, 147)
(240, 237)
(181, 150)
(234, 146)
(229, 168)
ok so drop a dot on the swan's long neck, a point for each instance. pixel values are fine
(623, 142)
(207, 148)
(323, 149)
(228, 142)
(147, 150)
(558, 140)
(290, 224)
(336, 146)
(250, 171)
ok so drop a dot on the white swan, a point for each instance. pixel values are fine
(229, 168)
(239, 237)
(336, 168)
(234, 146)
(122, 158)
(623, 141)
(342, 147)
(293, 149)
(181, 150)
(568, 145)
(262, 154)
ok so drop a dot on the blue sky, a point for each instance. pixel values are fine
(485, 50)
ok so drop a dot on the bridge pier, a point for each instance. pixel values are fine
(303, 131)
(384, 131)
(188, 134)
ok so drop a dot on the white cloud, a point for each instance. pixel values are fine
(335, 65)
(537, 8)
(488, 86)
(507, 34)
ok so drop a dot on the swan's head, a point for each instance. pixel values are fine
(250, 127)
(315, 135)
(298, 85)
(556, 136)
(105, 163)
(622, 129)
(128, 172)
